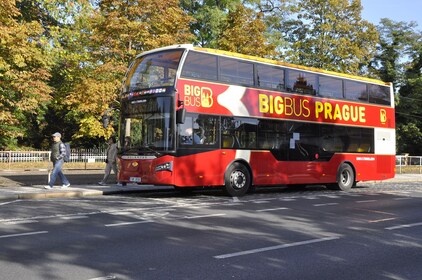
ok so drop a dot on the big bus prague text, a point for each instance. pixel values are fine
(200, 117)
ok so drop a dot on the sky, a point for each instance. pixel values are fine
(396, 10)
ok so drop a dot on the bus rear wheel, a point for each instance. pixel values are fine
(345, 178)
(237, 179)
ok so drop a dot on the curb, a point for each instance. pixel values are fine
(78, 192)
(47, 195)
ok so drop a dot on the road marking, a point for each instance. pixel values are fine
(287, 199)
(74, 217)
(9, 202)
(365, 201)
(23, 234)
(272, 209)
(110, 277)
(151, 221)
(271, 248)
(203, 216)
(310, 197)
(382, 220)
(21, 222)
(128, 223)
(325, 204)
(260, 201)
(404, 226)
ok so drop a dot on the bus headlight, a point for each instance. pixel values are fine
(167, 166)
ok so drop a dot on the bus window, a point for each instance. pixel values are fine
(355, 91)
(330, 87)
(200, 66)
(347, 139)
(153, 70)
(207, 128)
(236, 72)
(239, 133)
(270, 77)
(186, 133)
(199, 130)
(228, 135)
(271, 134)
(379, 94)
(304, 141)
(302, 82)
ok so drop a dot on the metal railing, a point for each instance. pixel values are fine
(408, 164)
(79, 158)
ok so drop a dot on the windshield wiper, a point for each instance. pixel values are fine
(147, 147)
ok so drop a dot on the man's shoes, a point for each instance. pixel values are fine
(65, 185)
(101, 183)
(48, 187)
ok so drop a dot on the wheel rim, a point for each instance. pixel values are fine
(345, 178)
(237, 179)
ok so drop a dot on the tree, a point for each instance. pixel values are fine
(399, 60)
(114, 33)
(330, 34)
(24, 74)
(244, 33)
(209, 16)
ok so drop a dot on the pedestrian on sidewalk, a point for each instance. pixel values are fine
(111, 160)
(58, 152)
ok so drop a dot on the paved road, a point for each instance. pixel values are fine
(373, 232)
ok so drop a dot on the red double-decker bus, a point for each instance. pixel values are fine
(200, 117)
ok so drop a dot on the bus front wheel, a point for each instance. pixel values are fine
(237, 179)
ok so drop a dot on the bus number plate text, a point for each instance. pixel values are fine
(135, 179)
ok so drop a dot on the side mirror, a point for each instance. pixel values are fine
(180, 116)
(106, 120)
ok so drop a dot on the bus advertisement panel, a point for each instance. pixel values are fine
(209, 98)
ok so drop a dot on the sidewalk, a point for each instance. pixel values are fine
(19, 184)
(11, 190)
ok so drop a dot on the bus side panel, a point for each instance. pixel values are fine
(370, 167)
(266, 170)
(201, 169)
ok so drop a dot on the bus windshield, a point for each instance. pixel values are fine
(153, 70)
(147, 125)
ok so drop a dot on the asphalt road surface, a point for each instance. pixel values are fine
(372, 232)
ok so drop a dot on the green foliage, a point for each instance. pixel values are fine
(399, 60)
(209, 16)
(244, 33)
(24, 74)
(330, 34)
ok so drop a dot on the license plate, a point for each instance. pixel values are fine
(135, 179)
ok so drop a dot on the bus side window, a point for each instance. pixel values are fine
(302, 82)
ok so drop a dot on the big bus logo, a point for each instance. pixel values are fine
(198, 96)
(383, 116)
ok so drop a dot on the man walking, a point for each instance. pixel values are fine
(58, 152)
(111, 159)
